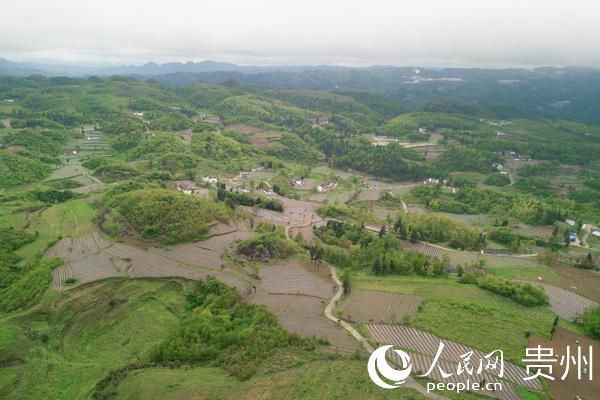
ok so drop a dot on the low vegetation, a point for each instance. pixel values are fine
(168, 216)
(270, 242)
(222, 330)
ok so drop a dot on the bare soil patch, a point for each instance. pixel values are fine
(571, 387)
(242, 128)
(205, 253)
(303, 315)
(296, 277)
(584, 282)
(72, 249)
(295, 212)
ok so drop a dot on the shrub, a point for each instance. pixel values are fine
(522, 293)
(267, 245)
(590, 320)
(497, 180)
(167, 215)
(223, 330)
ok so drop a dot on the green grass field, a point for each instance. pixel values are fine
(72, 218)
(466, 313)
(341, 379)
(61, 348)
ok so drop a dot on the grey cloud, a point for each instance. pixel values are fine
(351, 32)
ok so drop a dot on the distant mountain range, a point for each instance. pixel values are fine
(10, 68)
(547, 92)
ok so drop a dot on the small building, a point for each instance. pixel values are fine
(423, 131)
(596, 233)
(320, 121)
(138, 113)
(297, 181)
(9, 100)
(93, 138)
(185, 187)
(572, 237)
(210, 119)
(245, 174)
(210, 179)
(498, 167)
(501, 134)
(569, 222)
(431, 181)
(326, 187)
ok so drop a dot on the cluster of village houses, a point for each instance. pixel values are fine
(320, 122)
(437, 181)
(496, 123)
(573, 235)
(190, 187)
(500, 168)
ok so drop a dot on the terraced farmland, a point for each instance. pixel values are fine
(304, 316)
(297, 293)
(564, 303)
(426, 343)
(72, 249)
(295, 277)
(206, 253)
(423, 248)
(282, 303)
(421, 364)
(90, 258)
(89, 269)
(381, 307)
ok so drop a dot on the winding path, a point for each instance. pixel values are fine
(410, 382)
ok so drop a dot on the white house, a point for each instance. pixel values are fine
(210, 179)
(326, 187)
(298, 181)
(431, 181)
(138, 113)
(244, 174)
(185, 187)
(569, 222)
(596, 233)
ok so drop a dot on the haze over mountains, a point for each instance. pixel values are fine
(545, 92)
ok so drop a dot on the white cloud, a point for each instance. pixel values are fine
(425, 32)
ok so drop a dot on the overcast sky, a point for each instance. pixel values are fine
(342, 32)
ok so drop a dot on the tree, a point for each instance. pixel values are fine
(590, 320)
(377, 267)
(382, 231)
(414, 236)
(346, 283)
